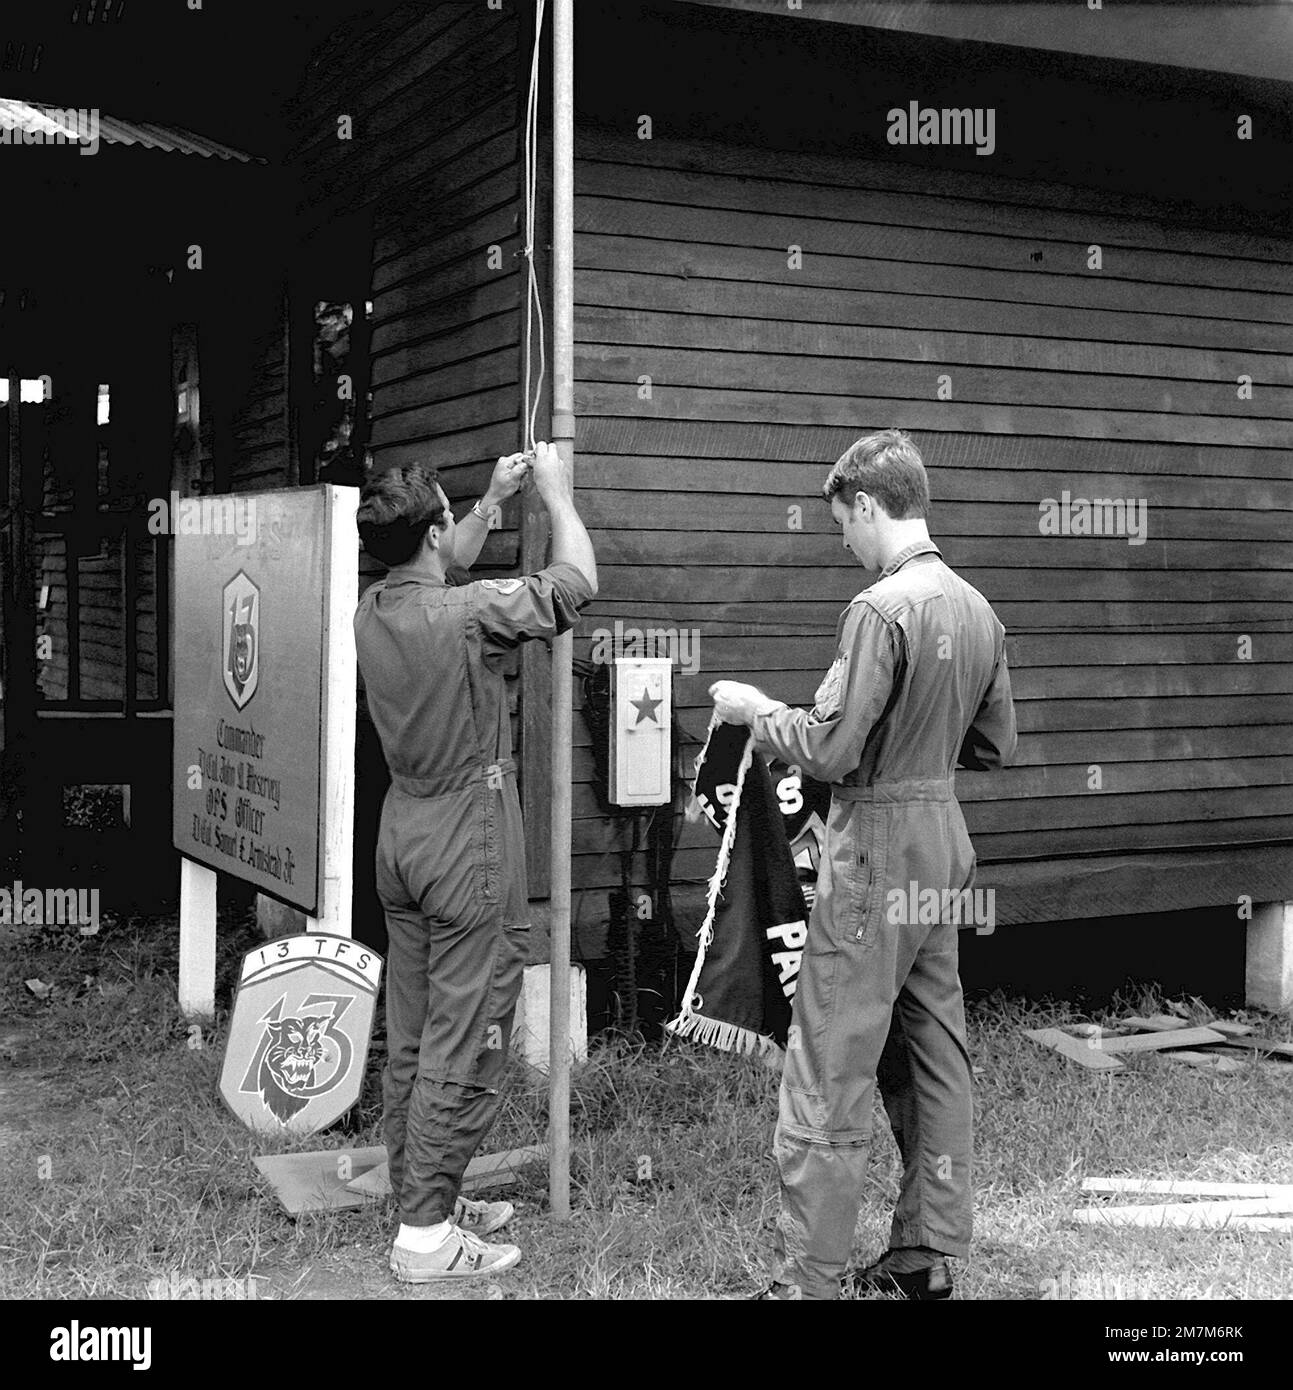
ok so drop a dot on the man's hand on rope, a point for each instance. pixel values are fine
(509, 473)
(553, 478)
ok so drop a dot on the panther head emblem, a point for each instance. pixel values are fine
(242, 652)
(294, 1051)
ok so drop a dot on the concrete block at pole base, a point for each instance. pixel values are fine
(532, 1028)
(276, 919)
(1268, 966)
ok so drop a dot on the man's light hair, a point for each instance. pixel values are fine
(886, 466)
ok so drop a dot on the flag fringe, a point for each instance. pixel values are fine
(728, 1037)
(682, 1024)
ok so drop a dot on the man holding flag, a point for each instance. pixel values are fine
(919, 685)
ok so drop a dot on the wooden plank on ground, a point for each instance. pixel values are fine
(1083, 1053)
(489, 1170)
(1231, 1029)
(1161, 1039)
(1213, 1061)
(1187, 1187)
(485, 1170)
(1268, 1045)
(1199, 1215)
(1156, 1023)
(1154, 1042)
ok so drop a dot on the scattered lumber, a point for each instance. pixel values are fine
(1212, 1061)
(321, 1181)
(1188, 1187)
(490, 1170)
(1092, 1030)
(1270, 1046)
(1091, 1044)
(1262, 1223)
(485, 1170)
(1164, 1038)
(1087, 1054)
(1199, 1215)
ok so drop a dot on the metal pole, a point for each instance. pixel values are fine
(563, 436)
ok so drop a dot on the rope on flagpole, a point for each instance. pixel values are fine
(562, 700)
(532, 396)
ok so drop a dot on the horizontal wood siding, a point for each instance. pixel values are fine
(431, 167)
(434, 153)
(261, 437)
(1121, 383)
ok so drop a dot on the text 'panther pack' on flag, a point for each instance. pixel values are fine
(298, 1037)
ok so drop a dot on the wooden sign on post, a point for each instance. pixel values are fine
(263, 761)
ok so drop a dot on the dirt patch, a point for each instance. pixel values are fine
(33, 1092)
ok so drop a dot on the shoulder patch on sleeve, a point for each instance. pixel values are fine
(829, 699)
(502, 586)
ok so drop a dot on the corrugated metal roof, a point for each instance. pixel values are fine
(70, 124)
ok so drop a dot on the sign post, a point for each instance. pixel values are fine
(263, 763)
(197, 939)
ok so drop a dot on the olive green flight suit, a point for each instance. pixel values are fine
(450, 856)
(919, 682)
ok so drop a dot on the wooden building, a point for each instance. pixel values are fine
(1094, 303)
(118, 264)
(762, 276)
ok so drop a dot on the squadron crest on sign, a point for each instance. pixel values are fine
(240, 648)
(287, 1069)
(298, 1038)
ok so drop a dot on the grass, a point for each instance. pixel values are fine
(123, 1166)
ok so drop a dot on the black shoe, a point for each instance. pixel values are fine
(922, 1285)
(780, 1293)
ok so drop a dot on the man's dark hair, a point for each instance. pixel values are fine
(395, 509)
(886, 466)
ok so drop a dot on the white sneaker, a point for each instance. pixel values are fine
(460, 1256)
(482, 1218)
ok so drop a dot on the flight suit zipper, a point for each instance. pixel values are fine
(865, 867)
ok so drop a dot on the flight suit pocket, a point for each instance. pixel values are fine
(488, 855)
(866, 898)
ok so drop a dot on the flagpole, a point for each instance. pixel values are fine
(563, 436)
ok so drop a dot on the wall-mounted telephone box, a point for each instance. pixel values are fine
(641, 714)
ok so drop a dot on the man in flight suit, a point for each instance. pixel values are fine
(451, 848)
(919, 684)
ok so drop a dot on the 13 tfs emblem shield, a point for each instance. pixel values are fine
(298, 1038)
(240, 650)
